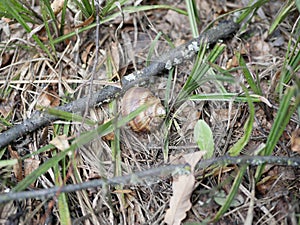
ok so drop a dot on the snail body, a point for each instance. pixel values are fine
(150, 118)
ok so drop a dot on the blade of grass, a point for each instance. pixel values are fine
(60, 172)
(28, 15)
(63, 18)
(168, 121)
(290, 66)
(283, 116)
(227, 97)
(9, 162)
(282, 14)
(85, 7)
(20, 19)
(69, 116)
(46, 10)
(247, 74)
(234, 151)
(199, 70)
(63, 208)
(243, 141)
(191, 10)
(250, 10)
(234, 189)
(152, 47)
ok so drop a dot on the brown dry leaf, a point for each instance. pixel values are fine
(264, 186)
(86, 52)
(61, 142)
(17, 168)
(57, 6)
(109, 137)
(6, 107)
(48, 99)
(115, 57)
(87, 22)
(295, 141)
(5, 59)
(183, 186)
(29, 166)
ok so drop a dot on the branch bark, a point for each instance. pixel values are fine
(158, 172)
(166, 61)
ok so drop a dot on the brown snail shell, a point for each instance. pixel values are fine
(149, 119)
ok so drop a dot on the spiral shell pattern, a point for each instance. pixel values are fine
(151, 118)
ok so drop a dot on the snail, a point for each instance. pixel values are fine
(150, 118)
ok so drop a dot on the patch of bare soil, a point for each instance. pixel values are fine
(37, 82)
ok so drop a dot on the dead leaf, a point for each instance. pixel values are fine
(57, 6)
(48, 99)
(115, 55)
(61, 142)
(17, 168)
(87, 22)
(109, 137)
(295, 141)
(5, 59)
(29, 166)
(6, 107)
(264, 186)
(86, 52)
(183, 186)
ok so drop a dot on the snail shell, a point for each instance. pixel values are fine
(150, 118)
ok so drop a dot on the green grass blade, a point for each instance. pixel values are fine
(20, 19)
(60, 172)
(63, 18)
(199, 70)
(191, 9)
(282, 15)
(28, 15)
(298, 7)
(247, 74)
(283, 117)
(84, 7)
(9, 162)
(152, 47)
(291, 64)
(250, 10)
(46, 10)
(63, 208)
(243, 141)
(233, 191)
(69, 116)
(236, 97)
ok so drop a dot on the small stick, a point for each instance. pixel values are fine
(158, 173)
(106, 94)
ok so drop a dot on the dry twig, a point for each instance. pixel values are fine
(141, 176)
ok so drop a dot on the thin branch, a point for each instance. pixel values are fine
(106, 94)
(159, 172)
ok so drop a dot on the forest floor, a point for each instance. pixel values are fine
(31, 80)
